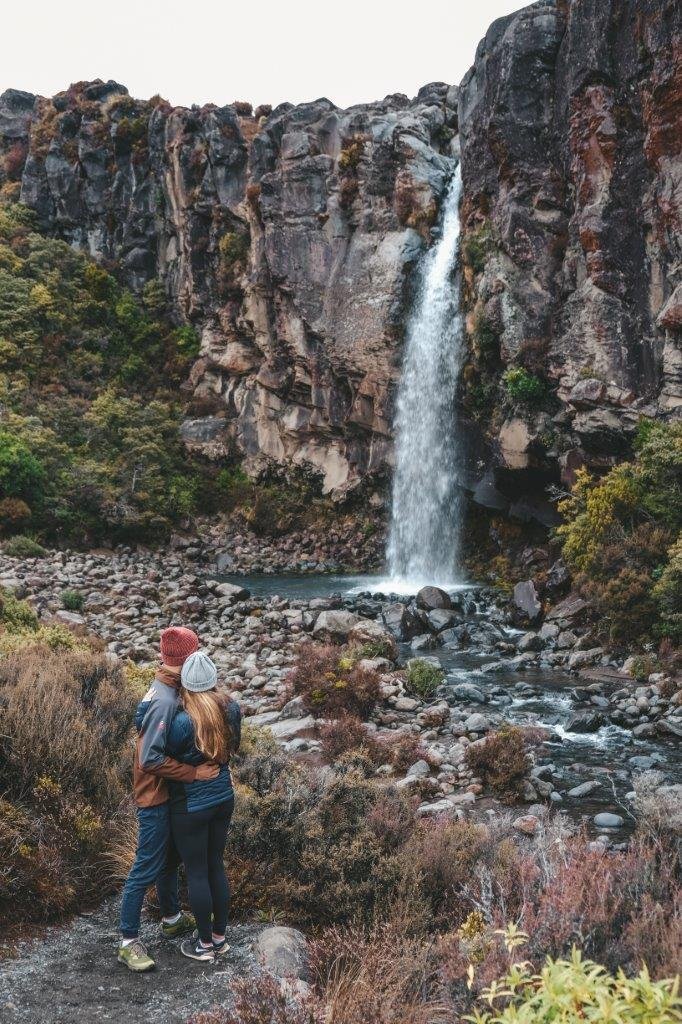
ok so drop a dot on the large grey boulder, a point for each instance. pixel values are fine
(283, 952)
(527, 601)
(230, 593)
(334, 625)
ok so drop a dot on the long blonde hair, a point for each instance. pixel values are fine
(212, 733)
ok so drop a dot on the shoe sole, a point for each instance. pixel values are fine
(136, 970)
(200, 959)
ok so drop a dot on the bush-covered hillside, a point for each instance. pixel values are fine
(89, 393)
(622, 537)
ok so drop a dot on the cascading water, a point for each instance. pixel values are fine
(424, 534)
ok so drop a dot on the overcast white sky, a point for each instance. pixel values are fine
(199, 51)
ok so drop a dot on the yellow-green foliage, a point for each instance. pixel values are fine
(575, 991)
(351, 154)
(597, 512)
(89, 385)
(622, 537)
(16, 616)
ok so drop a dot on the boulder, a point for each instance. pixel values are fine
(292, 728)
(477, 723)
(334, 625)
(430, 598)
(607, 820)
(283, 952)
(402, 623)
(369, 631)
(585, 721)
(526, 600)
(585, 788)
(528, 824)
(230, 593)
(441, 618)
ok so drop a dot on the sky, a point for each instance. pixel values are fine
(201, 51)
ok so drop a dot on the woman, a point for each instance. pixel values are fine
(208, 728)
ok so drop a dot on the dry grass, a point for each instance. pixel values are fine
(66, 716)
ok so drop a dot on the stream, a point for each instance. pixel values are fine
(533, 696)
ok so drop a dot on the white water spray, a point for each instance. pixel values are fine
(423, 542)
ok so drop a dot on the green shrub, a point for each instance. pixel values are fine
(422, 678)
(72, 600)
(21, 473)
(476, 247)
(233, 248)
(524, 388)
(574, 991)
(621, 535)
(16, 616)
(23, 547)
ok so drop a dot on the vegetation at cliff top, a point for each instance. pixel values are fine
(622, 537)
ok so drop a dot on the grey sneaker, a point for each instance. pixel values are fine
(195, 951)
(218, 947)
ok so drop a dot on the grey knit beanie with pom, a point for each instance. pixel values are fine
(198, 673)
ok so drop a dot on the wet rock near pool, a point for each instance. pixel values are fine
(585, 721)
(430, 598)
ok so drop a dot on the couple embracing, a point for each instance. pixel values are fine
(186, 731)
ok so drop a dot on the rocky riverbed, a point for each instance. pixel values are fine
(602, 726)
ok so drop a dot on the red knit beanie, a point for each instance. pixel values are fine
(177, 643)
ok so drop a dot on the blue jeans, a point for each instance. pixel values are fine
(156, 863)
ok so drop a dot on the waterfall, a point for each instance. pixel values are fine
(423, 542)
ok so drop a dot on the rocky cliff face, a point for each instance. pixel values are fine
(288, 238)
(571, 131)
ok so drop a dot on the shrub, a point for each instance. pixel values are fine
(259, 1000)
(64, 758)
(576, 990)
(348, 733)
(21, 473)
(233, 248)
(331, 685)
(243, 108)
(72, 600)
(405, 750)
(23, 547)
(16, 616)
(501, 761)
(13, 513)
(318, 846)
(621, 535)
(422, 678)
(476, 246)
(524, 388)
(351, 153)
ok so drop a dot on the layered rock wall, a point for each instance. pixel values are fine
(288, 239)
(571, 137)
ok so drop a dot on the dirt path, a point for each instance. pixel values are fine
(71, 976)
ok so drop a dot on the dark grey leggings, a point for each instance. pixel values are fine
(200, 838)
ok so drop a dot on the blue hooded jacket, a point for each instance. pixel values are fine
(180, 744)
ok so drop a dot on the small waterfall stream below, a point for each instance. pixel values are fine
(424, 532)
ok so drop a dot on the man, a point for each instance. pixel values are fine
(156, 859)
